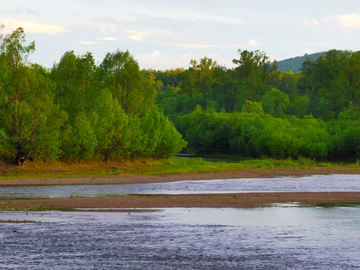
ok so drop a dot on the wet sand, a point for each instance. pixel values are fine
(142, 179)
(235, 200)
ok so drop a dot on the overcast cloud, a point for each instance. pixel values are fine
(163, 34)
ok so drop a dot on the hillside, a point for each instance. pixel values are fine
(295, 63)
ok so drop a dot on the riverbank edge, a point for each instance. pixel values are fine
(233, 200)
(159, 178)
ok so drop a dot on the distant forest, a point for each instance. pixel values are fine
(79, 111)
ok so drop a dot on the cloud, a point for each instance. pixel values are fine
(33, 28)
(254, 43)
(141, 34)
(125, 17)
(89, 42)
(190, 46)
(136, 37)
(154, 55)
(20, 11)
(110, 38)
(311, 23)
(349, 21)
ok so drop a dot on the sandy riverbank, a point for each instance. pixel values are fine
(238, 200)
(137, 179)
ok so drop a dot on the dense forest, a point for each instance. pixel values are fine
(79, 110)
(257, 110)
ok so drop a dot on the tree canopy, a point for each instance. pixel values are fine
(79, 110)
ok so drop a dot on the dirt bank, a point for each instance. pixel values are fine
(241, 200)
(137, 179)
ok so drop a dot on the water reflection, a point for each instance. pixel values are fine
(284, 184)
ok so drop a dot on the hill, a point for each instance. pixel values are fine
(295, 63)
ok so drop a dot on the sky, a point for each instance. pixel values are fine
(165, 34)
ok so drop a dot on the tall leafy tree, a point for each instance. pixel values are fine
(27, 114)
(199, 78)
(255, 73)
(128, 84)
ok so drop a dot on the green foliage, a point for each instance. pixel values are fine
(250, 107)
(129, 86)
(332, 81)
(79, 111)
(345, 139)
(83, 111)
(350, 113)
(254, 134)
(275, 103)
(300, 106)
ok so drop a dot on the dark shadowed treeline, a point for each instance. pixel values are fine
(79, 110)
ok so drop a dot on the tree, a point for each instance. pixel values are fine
(333, 82)
(255, 72)
(247, 71)
(29, 117)
(129, 86)
(198, 78)
(14, 48)
(64, 74)
(27, 114)
(275, 103)
(252, 107)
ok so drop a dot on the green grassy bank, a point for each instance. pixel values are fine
(168, 166)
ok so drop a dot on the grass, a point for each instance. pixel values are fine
(38, 206)
(46, 170)
(332, 205)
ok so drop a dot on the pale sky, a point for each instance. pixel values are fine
(164, 34)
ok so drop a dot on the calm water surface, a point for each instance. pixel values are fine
(325, 183)
(263, 238)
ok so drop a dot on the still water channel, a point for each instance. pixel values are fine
(262, 238)
(319, 183)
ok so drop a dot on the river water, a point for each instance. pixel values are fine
(318, 183)
(262, 238)
(279, 237)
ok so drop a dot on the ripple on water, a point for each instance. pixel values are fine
(268, 238)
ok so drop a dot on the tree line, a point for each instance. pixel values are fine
(78, 110)
(327, 88)
(253, 133)
(256, 110)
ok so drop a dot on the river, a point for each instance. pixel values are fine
(317, 183)
(262, 238)
(280, 237)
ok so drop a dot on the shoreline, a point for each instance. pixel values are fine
(159, 178)
(233, 200)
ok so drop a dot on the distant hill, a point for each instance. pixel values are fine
(295, 63)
